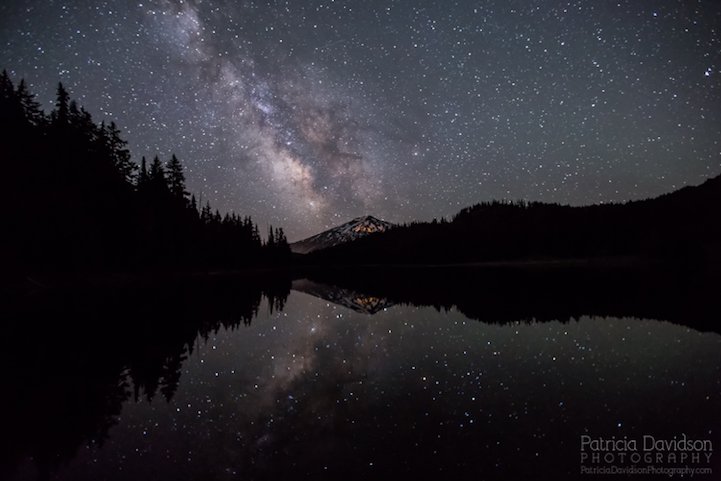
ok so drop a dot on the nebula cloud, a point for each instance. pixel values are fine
(299, 141)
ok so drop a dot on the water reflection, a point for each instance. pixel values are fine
(74, 357)
(355, 300)
(189, 388)
(544, 292)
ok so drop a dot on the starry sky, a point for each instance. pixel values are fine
(305, 114)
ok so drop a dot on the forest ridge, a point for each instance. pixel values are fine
(681, 226)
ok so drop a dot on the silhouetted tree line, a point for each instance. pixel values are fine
(78, 201)
(682, 226)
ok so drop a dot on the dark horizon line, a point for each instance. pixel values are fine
(517, 201)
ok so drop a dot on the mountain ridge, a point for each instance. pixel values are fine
(680, 225)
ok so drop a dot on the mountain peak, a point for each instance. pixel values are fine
(350, 231)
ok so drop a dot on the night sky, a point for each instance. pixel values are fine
(305, 114)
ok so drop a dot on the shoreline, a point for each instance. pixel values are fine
(49, 280)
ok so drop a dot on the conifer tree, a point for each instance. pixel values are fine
(270, 242)
(73, 112)
(280, 237)
(176, 178)
(143, 175)
(62, 106)
(206, 214)
(32, 113)
(119, 153)
(10, 108)
(7, 91)
(156, 177)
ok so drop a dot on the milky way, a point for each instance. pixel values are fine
(305, 114)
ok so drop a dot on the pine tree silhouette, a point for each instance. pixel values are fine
(6, 86)
(30, 107)
(119, 154)
(176, 178)
(62, 107)
(156, 177)
(143, 177)
(84, 205)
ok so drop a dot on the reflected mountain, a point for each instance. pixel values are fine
(349, 298)
(543, 291)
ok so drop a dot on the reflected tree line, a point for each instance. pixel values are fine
(69, 379)
(78, 201)
(542, 292)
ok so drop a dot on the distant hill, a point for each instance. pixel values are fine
(350, 231)
(682, 225)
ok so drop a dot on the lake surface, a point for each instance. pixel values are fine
(329, 382)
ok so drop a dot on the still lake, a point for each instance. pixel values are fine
(331, 383)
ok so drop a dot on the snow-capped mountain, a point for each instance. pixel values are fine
(355, 229)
